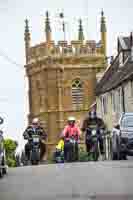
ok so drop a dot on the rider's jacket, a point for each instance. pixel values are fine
(30, 130)
(60, 145)
(71, 131)
(93, 123)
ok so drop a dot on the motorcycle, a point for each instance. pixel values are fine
(72, 147)
(92, 137)
(34, 141)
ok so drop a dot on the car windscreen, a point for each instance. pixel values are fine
(127, 121)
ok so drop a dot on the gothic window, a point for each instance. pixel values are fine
(77, 93)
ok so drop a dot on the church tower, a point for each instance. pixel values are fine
(62, 78)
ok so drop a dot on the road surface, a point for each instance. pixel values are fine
(87, 181)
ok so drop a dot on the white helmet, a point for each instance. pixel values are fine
(71, 119)
(35, 121)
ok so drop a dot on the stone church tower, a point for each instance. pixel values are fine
(62, 77)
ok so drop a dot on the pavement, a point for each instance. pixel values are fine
(88, 181)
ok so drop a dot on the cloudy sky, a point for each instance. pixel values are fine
(13, 104)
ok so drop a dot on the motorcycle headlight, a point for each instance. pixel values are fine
(94, 132)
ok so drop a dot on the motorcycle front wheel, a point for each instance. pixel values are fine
(95, 153)
(35, 158)
(1, 173)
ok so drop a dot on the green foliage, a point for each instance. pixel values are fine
(10, 147)
(11, 162)
(83, 155)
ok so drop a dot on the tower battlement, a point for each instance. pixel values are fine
(79, 47)
(64, 49)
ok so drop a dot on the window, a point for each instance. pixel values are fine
(127, 121)
(101, 105)
(104, 104)
(113, 101)
(131, 88)
(77, 93)
(121, 59)
(119, 100)
(123, 99)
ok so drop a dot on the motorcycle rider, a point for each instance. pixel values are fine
(90, 121)
(34, 127)
(71, 130)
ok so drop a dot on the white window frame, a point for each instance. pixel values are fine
(131, 88)
(104, 104)
(121, 59)
(113, 101)
(77, 94)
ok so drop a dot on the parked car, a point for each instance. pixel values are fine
(122, 140)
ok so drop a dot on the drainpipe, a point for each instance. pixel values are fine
(123, 99)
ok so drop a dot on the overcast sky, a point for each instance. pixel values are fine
(13, 106)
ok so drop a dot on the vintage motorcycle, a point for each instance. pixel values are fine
(72, 144)
(34, 141)
(92, 137)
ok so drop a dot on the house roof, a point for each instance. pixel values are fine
(100, 88)
(115, 77)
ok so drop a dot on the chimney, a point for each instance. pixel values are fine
(131, 45)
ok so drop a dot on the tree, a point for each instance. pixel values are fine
(10, 148)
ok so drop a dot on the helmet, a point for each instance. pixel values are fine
(35, 121)
(71, 119)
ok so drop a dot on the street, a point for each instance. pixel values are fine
(102, 180)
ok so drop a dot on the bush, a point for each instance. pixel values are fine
(10, 148)
(11, 162)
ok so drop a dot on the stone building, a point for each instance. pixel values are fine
(62, 77)
(115, 90)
